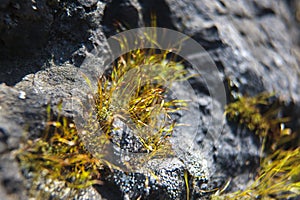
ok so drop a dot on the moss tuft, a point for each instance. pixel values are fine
(279, 178)
(261, 115)
(59, 156)
(279, 172)
(137, 91)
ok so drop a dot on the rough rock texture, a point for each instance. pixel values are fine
(34, 34)
(253, 44)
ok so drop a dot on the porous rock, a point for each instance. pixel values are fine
(251, 42)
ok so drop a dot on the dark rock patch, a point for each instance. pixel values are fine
(251, 42)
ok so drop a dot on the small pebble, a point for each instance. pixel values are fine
(22, 95)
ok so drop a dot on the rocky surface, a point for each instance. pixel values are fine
(43, 43)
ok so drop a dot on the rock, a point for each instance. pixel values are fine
(12, 181)
(24, 31)
(87, 3)
(58, 83)
(24, 27)
(114, 20)
(250, 42)
(22, 118)
(36, 34)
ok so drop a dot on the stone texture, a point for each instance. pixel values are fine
(253, 44)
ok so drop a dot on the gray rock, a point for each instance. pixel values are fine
(36, 34)
(25, 27)
(250, 41)
(87, 3)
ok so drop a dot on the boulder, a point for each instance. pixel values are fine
(43, 44)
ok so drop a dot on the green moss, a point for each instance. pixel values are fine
(279, 172)
(146, 76)
(278, 178)
(59, 156)
(246, 112)
(260, 115)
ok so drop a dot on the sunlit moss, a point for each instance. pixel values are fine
(279, 172)
(279, 178)
(59, 156)
(147, 76)
(261, 116)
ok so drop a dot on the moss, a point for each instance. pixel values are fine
(59, 157)
(261, 115)
(279, 172)
(137, 92)
(278, 178)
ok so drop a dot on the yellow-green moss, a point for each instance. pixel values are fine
(261, 116)
(59, 156)
(148, 108)
(279, 172)
(278, 178)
